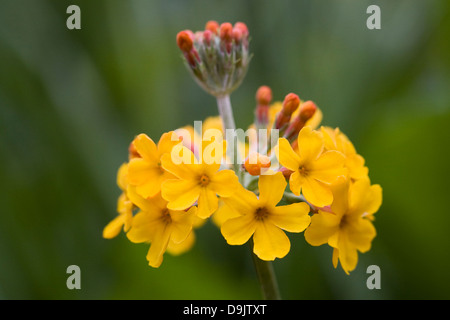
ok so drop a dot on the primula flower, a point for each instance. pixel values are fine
(335, 140)
(146, 172)
(197, 182)
(157, 224)
(261, 218)
(313, 170)
(346, 226)
(124, 207)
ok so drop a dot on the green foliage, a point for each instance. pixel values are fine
(72, 100)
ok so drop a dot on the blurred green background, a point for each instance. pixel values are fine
(72, 100)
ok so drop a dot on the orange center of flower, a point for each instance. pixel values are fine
(344, 222)
(303, 171)
(204, 180)
(166, 216)
(160, 167)
(261, 214)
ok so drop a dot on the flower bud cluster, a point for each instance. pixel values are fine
(217, 57)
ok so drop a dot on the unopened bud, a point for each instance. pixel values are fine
(226, 31)
(263, 98)
(307, 110)
(207, 36)
(218, 65)
(212, 26)
(290, 103)
(264, 95)
(237, 35)
(255, 163)
(286, 172)
(185, 40)
(242, 27)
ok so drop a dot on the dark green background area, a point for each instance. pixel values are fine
(71, 101)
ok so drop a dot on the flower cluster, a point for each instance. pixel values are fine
(293, 175)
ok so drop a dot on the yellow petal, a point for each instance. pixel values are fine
(146, 148)
(286, 155)
(328, 167)
(270, 242)
(180, 170)
(348, 256)
(207, 203)
(225, 183)
(181, 194)
(310, 144)
(122, 179)
(323, 226)
(223, 213)
(145, 175)
(316, 192)
(237, 231)
(296, 181)
(364, 198)
(159, 245)
(167, 141)
(144, 226)
(243, 201)
(335, 257)
(340, 195)
(182, 224)
(360, 234)
(292, 218)
(271, 188)
(114, 227)
(180, 248)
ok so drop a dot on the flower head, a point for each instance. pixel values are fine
(217, 57)
(196, 182)
(347, 225)
(159, 225)
(313, 171)
(261, 218)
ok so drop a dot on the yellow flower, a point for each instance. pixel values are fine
(262, 219)
(157, 224)
(124, 207)
(347, 228)
(336, 140)
(196, 182)
(313, 170)
(146, 172)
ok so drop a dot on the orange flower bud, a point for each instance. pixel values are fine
(264, 95)
(207, 36)
(290, 103)
(242, 27)
(185, 40)
(255, 162)
(212, 26)
(307, 110)
(286, 172)
(237, 35)
(226, 31)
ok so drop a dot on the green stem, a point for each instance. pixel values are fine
(264, 269)
(266, 277)
(226, 114)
